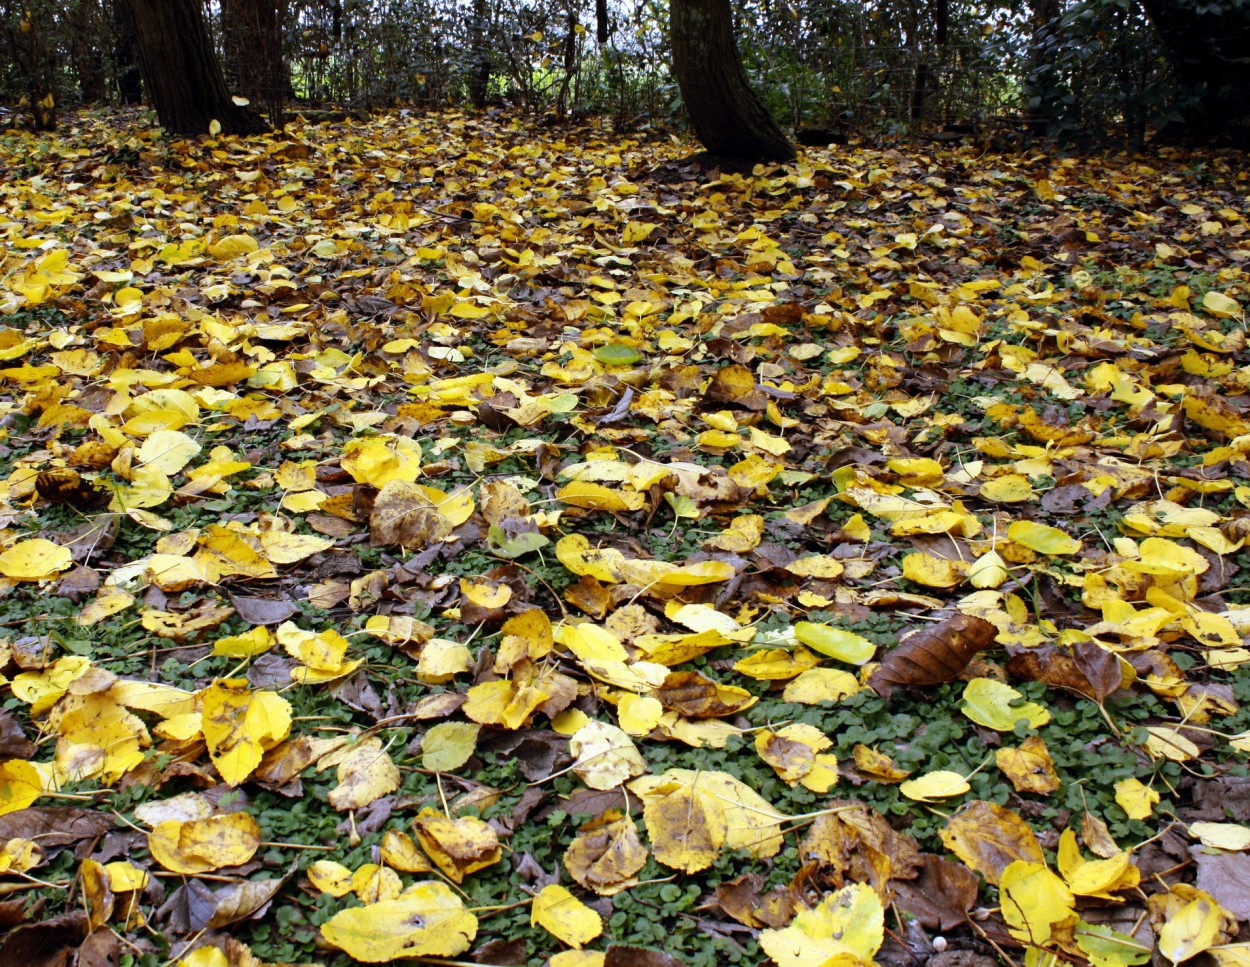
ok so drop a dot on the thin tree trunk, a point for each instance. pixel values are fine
(479, 54)
(86, 24)
(727, 115)
(181, 73)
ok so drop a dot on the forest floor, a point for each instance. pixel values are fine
(444, 538)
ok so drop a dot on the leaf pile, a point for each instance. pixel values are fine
(430, 537)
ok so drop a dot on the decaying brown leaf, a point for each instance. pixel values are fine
(933, 655)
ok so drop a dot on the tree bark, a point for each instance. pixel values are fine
(252, 38)
(86, 25)
(727, 115)
(1206, 45)
(479, 54)
(181, 72)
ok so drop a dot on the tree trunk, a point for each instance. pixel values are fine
(86, 25)
(34, 51)
(252, 35)
(125, 60)
(727, 115)
(181, 72)
(479, 54)
(1206, 45)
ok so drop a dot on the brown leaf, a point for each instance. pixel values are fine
(854, 844)
(618, 956)
(100, 949)
(404, 514)
(941, 896)
(606, 854)
(238, 901)
(13, 741)
(61, 485)
(696, 696)
(734, 385)
(989, 837)
(13, 912)
(53, 826)
(1226, 876)
(741, 899)
(47, 944)
(933, 655)
(1089, 670)
(500, 951)
(263, 611)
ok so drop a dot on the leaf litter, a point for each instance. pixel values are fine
(378, 496)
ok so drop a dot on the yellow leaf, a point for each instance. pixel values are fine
(605, 756)
(638, 714)
(283, 547)
(379, 460)
(817, 685)
(877, 765)
(793, 751)
(168, 451)
(401, 853)
(36, 559)
(1195, 927)
(1225, 955)
(607, 854)
(330, 877)
(935, 785)
(691, 815)
(123, 877)
(1094, 878)
(251, 643)
(988, 571)
(241, 725)
(458, 846)
(1220, 305)
(1137, 800)
(1229, 836)
(580, 958)
(323, 653)
(468, 309)
(847, 928)
(1042, 538)
(449, 745)
(931, 571)
(835, 642)
(1007, 489)
(603, 564)
(204, 845)
(489, 596)
(593, 496)
(564, 916)
(1034, 900)
(233, 553)
(427, 920)
(207, 956)
(776, 664)
(667, 577)
(1030, 767)
(637, 232)
(365, 773)
(20, 785)
(998, 706)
